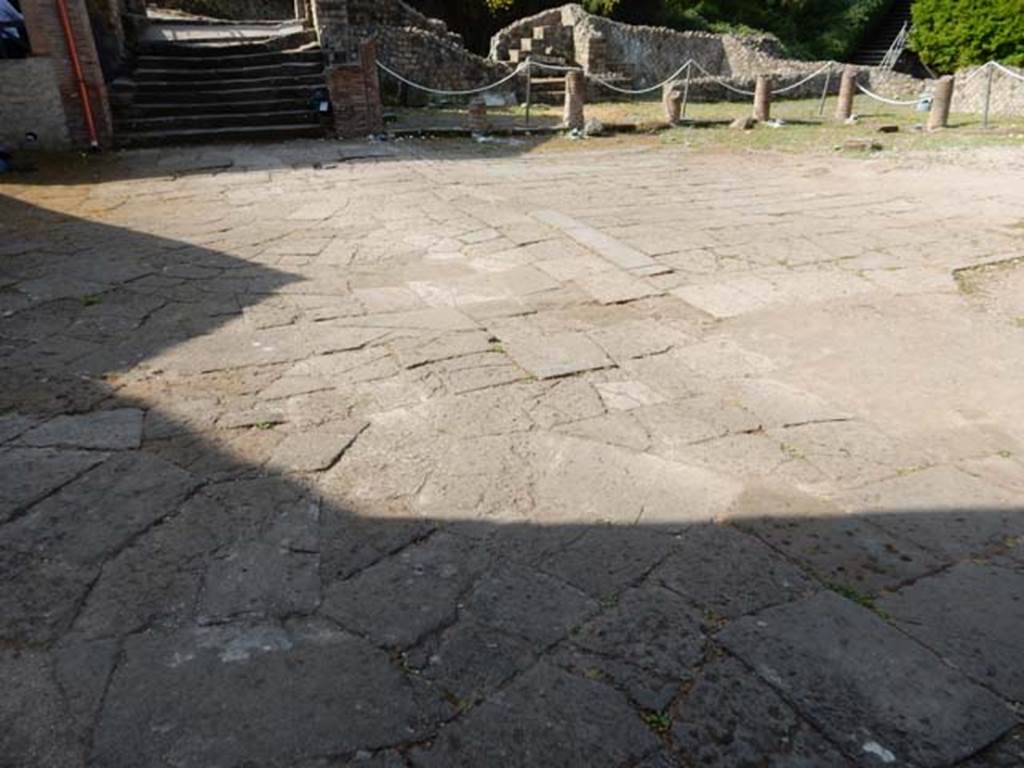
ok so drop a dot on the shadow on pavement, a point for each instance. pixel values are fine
(183, 585)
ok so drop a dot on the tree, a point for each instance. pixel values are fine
(950, 34)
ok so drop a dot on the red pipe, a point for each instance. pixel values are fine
(76, 66)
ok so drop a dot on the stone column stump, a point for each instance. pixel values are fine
(847, 90)
(575, 98)
(763, 99)
(672, 100)
(942, 99)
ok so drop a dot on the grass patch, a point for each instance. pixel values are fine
(806, 128)
(659, 722)
(865, 601)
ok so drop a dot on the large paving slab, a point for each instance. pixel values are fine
(882, 697)
(436, 453)
(970, 615)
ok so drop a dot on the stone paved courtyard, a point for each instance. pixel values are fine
(331, 455)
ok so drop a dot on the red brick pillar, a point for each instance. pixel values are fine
(46, 34)
(371, 80)
(355, 95)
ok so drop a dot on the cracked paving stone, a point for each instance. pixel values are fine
(400, 599)
(647, 644)
(533, 605)
(260, 578)
(316, 449)
(554, 355)
(115, 430)
(1008, 752)
(876, 693)
(580, 480)
(840, 549)
(81, 668)
(729, 573)
(471, 660)
(627, 395)
(728, 717)
(51, 554)
(36, 729)
(942, 509)
(973, 616)
(198, 697)
(605, 559)
(546, 717)
(29, 474)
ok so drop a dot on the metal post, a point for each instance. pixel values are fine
(686, 91)
(988, 94)
(824, 92)
(529, 87)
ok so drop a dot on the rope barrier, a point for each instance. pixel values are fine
(806, 80)
(439, 92)
(722, 82)
(554, 67)
(893, 102)
(641, 91)
(977, 71)
(1007, 71)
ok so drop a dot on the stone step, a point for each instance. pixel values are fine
(142, 110)
(232, 48)
(186, 121)
(229, 61)
(315, 79)
(192, 75)
(210, 135)
(128, 92)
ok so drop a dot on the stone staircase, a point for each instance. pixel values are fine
(876, 45)
(547, 45)
(220, 88)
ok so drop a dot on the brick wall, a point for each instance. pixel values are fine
(355, 94)
(47, 36)
(30, 101)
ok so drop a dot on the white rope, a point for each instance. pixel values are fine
(722, 82)
(1008, 71)
(450, 93)
(893, 102)
(977, 71)
(641, 91)
(554, 67)
(807, 79)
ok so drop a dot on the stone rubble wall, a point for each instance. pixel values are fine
(419, 48)
(30, 101)
(1007, 96)
(434, 61)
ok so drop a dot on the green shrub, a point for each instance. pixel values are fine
(950, 34)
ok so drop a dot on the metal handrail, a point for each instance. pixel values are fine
(899, 45)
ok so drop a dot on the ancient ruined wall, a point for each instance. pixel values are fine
(30, 102)
(235, 9)
(1007, 96)
(433, 60)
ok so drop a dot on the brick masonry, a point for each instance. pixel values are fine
(48, 41)
(30, 101)
(355, 94)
